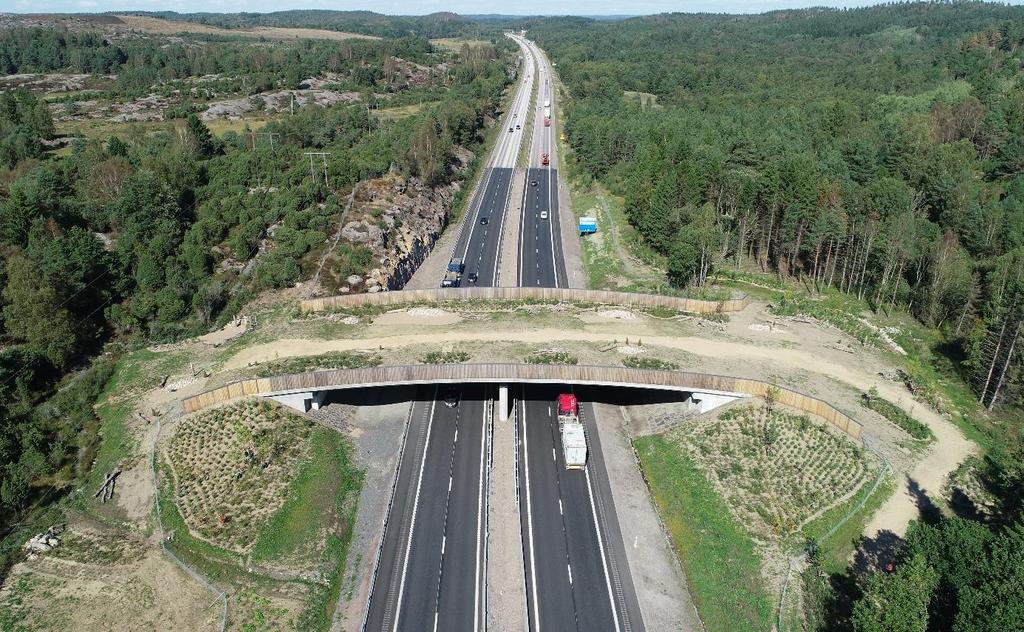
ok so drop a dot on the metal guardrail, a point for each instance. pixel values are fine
(567, 295)
(525, 373)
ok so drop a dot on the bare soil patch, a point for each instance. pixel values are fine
(418, 316)
(160, 26)
(100, 578)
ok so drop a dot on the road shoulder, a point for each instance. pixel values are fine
(659, 580)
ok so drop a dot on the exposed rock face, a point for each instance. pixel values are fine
(398, 220)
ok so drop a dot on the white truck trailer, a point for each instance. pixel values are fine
(574, 439)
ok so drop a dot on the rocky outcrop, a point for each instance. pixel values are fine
(275, 101)
(398, 220)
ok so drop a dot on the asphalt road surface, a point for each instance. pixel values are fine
(540, 248)
(541, 262)
(431, 573)
(576, 572)
(479, 243)
(482, 240)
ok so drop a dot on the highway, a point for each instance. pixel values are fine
(431, 571)
(576, 574)
(479, 243)
(541, 262)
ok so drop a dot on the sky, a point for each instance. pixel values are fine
(420, 7)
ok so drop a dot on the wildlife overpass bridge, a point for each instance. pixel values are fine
(526, 294)
(706, 391)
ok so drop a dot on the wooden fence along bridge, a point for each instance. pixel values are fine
(526, 294)
(706, 391)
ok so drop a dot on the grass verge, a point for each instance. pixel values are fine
(327, 475)
(722, 567)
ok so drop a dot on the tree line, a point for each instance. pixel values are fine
(876, 152)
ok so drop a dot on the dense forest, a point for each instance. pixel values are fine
(877, 152)
(153, 236)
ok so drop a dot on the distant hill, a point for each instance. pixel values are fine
(365, 22)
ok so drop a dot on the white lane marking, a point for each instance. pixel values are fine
(480, 519)
(412, 525)
(600, 546)
(529, 526)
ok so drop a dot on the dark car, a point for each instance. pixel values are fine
(451, 398)
(533, 183)
(484, 221)
(472, 277)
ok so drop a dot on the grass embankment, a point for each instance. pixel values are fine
(327, 478)
(308, 531)
(722, 568)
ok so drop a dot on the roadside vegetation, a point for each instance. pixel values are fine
(323, 361)
(150, 232)
(869, 178)
(707, 538)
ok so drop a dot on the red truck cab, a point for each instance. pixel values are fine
(567, 405)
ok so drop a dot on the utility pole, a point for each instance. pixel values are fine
(270, 136)
(323, 157)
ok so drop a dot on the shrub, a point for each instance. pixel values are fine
(551, 357)
(897, 415)
(445, 357)
(639, 362)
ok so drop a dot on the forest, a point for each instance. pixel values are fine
(876, 152)
(153, 234)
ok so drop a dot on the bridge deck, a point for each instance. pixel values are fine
(519, 374)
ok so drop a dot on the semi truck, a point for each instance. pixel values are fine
(453, 277)
(544, 160)
(574, 439)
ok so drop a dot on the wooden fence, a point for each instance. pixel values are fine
(568, 295)
(523, 373)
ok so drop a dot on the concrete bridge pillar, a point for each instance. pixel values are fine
(302, 402)
(705, 402)
(503, 402)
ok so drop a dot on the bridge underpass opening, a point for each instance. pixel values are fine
(691, 401)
